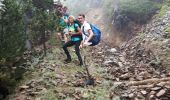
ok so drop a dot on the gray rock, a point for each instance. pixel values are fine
(161, 93)
(113, 50)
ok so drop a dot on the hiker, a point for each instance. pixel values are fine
(87, 32)
(62, 27)
(75, 34)
(63, 24)
(65, 11)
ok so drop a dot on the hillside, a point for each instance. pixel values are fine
(137, 69)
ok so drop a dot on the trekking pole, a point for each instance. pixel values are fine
(85, 65)
(90, 80)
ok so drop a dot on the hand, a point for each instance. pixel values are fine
(81, 46)
(65, 41)
(70, 33)
(86, 43)
(67, 34)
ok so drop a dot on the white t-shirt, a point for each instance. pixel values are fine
(86, 27)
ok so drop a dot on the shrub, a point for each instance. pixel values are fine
(165, 7)
(138, 10)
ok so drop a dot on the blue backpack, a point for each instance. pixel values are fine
(97, 35)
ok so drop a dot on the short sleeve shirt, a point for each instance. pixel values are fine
(85, 27)
(62, 23)
(73, 28)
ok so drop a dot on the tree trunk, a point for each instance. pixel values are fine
(2, 32)
(44, 40)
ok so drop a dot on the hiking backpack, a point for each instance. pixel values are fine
(76, 21)
(97, 35)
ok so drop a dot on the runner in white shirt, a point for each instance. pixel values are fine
(87, 33)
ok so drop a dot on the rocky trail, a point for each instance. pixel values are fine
(129, 72)
(52, 79)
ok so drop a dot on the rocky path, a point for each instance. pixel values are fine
(51, 79)
(136, 73)
(128, 72)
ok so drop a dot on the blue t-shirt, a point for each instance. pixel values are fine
(62, 23)
(73, 28)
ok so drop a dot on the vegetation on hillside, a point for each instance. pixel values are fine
(165, 7)
(138, 10)
(25, 24)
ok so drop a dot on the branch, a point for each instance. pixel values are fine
(154, 80)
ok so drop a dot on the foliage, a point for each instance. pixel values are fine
(43, 4)
(16, 16)
(43, 22)
(138, 10)
(163, 10)
(53, 41)
(49, 95)
(22, 20)
(12, 34)
(108, 7)
(166, 56)
(165, 7)
(1, 7)
(167, 29)
(167, 32)
(167, 2)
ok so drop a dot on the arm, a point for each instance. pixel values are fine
(77, 30)
(81, 45)
(65, 38)
(65, 34)
(91, 34)
(77, 33)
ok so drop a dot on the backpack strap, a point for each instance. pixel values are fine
(76, 30)
(84, 32)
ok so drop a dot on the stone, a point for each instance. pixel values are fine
(125, 76)
(156, 88)
(161, 93)
(151, 96)
(152, 92)
(143, 92)
(113, 50)
(23, 87)
(131, 95)
(120, 64)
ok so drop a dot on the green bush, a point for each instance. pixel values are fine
(167, 32)
(21, 20)
(12, 34)
(165, 7)
(167, 2)
(138, 10)
(163, 10)
(108, 8)
(167, 29)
